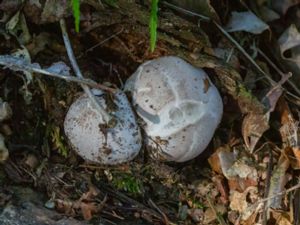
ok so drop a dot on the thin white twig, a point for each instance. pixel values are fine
(295, 187)
(101, 110)
(14, 63)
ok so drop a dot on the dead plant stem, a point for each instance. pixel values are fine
(14, 65)
(295, 187)
(101, 110)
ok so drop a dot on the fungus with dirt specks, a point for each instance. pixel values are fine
(96, 141)
(179, 104)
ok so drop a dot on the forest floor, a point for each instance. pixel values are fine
(249, 173)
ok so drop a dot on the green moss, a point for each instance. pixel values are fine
(57, 139)
(128, 183)
(243, 92)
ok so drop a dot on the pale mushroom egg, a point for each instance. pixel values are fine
(98, 142)
(180, 107)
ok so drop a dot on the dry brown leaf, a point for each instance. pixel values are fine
(240, 185)
(293, 158)
(222, 188)
(272, 97)
(296, 151)
(214, 160)
(278, 181)
(242, 168)
(65, 206)
(281, 217)
(256, 123)
(253, 127)
(48, 11)
(251, 220)
(17, 26)
(210, 214)
(289, 51)
(88, 209)
(39, 43)
(239, 202)
(236, 168)
(290, 133)
(85, 204)
(227, 159)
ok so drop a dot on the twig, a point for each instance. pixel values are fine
(187, 12)
(277, 70)
(295, 187)
(15, 63)
(100, 43)
(243, 51)
(166, 220)
(106, 117)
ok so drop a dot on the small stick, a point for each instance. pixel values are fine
(106, 117)
(277, 69)
(243, 51)
(187, 12)
(165, 218)
(293, 188)
(100, 43)
(14, 63)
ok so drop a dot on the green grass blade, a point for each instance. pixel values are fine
(76, 13)
(153, 24)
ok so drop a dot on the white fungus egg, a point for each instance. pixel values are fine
(98, 142)
(180, 107)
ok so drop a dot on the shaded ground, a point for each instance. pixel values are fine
(253, 155)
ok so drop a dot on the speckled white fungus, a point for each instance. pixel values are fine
(95, 141)
(179, 104)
